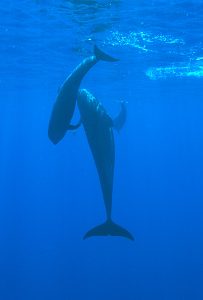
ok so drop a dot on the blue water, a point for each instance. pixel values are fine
(50, 195)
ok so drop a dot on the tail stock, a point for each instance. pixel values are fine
(109, 228)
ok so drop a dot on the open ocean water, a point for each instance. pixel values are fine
(50, 195)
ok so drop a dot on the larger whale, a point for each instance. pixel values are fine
(64, 106)
(98, 127)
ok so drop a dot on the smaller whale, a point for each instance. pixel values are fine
(64, 106)
(98, 128)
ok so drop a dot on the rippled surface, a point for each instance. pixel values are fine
(38, 36)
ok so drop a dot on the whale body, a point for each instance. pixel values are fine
(64, 106)
(98, 126)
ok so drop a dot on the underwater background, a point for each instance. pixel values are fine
(50, 195)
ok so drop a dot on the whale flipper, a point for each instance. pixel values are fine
(74, 127)
(109, 228)
(100, 55)
(120, 120)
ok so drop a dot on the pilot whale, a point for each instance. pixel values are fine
(98, 127)
(64, 106)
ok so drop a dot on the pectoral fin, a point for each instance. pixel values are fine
(74, 127)
(120, 120)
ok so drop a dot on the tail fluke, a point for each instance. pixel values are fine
(100, 55)
(109, 228)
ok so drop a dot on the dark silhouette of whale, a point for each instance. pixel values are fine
(98, 128)
(64, 106)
